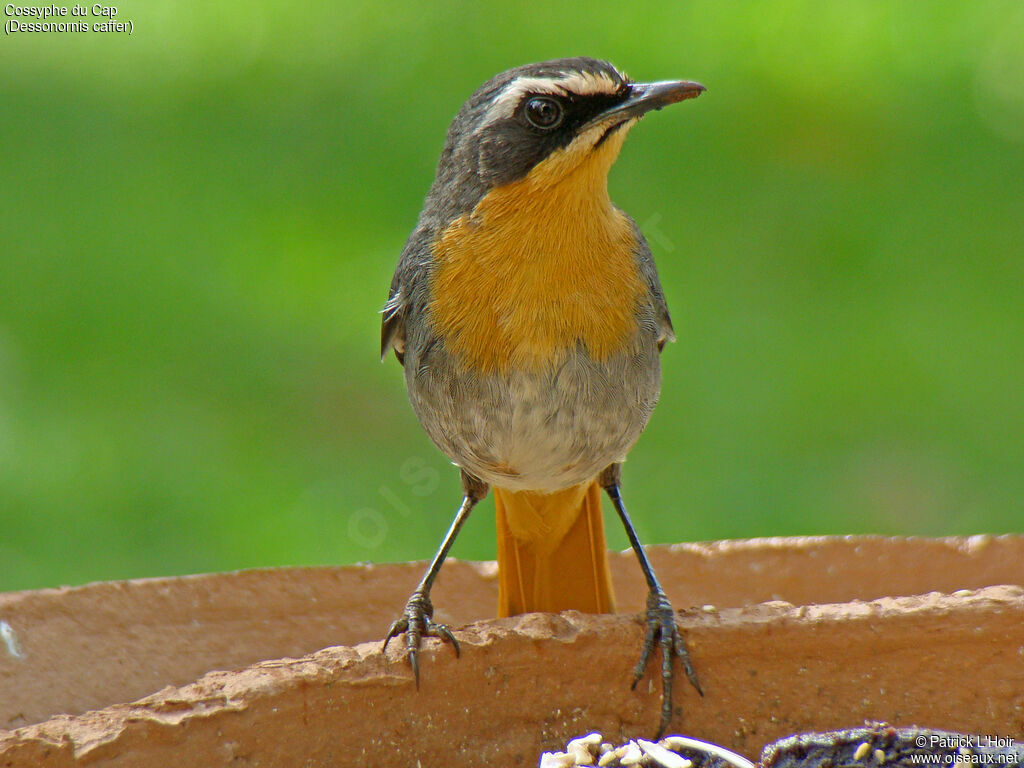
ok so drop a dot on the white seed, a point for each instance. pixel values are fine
(633, 755)
(712, 750)
(580, 754)
(557, 760)
(862, 750)
(879, 756)
(583, 748)
(662, 756)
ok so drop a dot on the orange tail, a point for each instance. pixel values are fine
(551, 552)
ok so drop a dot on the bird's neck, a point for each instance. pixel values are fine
(541, 266)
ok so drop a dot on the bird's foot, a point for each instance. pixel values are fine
(662, 631)
(417, 622)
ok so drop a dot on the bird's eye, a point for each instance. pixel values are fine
(543, 112)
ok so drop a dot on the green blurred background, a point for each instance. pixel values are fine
(198, 225)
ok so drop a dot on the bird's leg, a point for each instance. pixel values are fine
(417, 620)
(660, 617)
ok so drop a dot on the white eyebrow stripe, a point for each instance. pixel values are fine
(589, 83)
(584, 83)
(507, 102)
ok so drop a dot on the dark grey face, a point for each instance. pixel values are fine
(515, 120)
(529, 120)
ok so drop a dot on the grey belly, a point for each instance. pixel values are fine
(539, 431)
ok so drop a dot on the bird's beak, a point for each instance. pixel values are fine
(644, 97)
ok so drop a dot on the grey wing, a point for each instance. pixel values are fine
(392, 326)
(407, 288)
(645, 261)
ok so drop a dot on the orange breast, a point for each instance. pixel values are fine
(540, 266)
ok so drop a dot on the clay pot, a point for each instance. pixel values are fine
(787, 635)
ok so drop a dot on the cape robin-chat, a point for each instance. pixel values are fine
(528, 315)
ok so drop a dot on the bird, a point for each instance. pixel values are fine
(528, 316)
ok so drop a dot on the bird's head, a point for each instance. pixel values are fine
(544, 121)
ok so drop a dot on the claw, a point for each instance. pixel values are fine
(414, 662)
(446, 636)
(645, 653)
(398, 626)
(684, 657)
(417, 622)
(662, 629)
